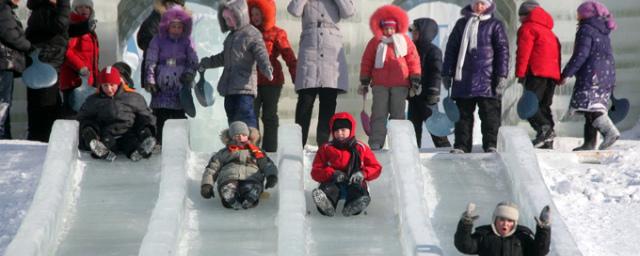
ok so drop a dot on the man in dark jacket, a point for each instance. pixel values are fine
(476, 64)
(116, 120)
(424, 30)
(504, 236)
(13, 46)
(47, 29)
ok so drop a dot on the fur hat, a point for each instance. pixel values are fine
(527, 6)
(507, 210)
(341, 123)
(486, 2)
(77, 3)
(109, 75)
(238, 127)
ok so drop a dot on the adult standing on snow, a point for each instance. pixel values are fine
(263, 17)
(13, 46)
(538, 66)
(47, 30)
(476, 64)
(593, 65)
(322, 65)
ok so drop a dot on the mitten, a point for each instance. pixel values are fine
(545, 219)
(339, 176)
(206, 191)
(501, 86)
(356, 178)
(187, 78)
(84, 72)
(470, 215)
(151, 88)
(272, 180)
(416, 86)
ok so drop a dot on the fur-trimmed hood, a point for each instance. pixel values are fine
(176, 12)
(389, 12)
(254, 136)
(240, 11)
(268, 9)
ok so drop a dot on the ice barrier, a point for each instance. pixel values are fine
(417, 231)
(529, 189)
(38, 232)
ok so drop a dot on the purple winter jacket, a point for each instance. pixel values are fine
(167, 59)
(593, 65)
(482, 65)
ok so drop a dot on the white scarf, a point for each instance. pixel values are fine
(469, 40)
(399, 45)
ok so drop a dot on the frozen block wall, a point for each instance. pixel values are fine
(292, 205)
(417, 235)
(42, 226)
(529, 189)
(164, 230)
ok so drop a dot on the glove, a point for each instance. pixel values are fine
(339, 176)
(202, 66)
(363, 89)
(269, 75)
(84, 72)
(501, 86)
(92, 24)
(187, 78)
(356, 178)
(272, 180)
(522, 80)
(470, 215)
(544, 220)
(416, 87)
(447, 81)
(206, 191)
(151, 88)
(432, 100)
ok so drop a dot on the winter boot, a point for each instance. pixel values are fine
(456, 151)
(608, 129)
(590, 138)
(101, 151)
(251, 198)
(545, 134)
(356, 206)
(323, 203)
(147, 146)
(228, 195)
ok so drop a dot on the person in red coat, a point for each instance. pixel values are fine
(81, 58)
(391, 64)
(538, 66)
(263, 17)
(343, 166)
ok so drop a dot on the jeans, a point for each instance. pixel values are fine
(239, 107)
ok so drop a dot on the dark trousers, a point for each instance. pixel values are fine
(239, 107)
(66, 111)
(267, 100)
(489, 110)
(353, 192)
(304, 107)
(418, 112)
(242, 190)
(164, 114)
(6, 96)
(43, 108)
(544, 89)
(126, 144)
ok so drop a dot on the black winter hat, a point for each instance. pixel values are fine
(341, 123)
(125, 72)
(527, 6)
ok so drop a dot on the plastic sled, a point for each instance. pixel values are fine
(364, 118)
(39, 75)
(80, 94)
(186, 99)
(438, 123)
(527, 105)
(619, 109)
(450, 108)
(204, 92)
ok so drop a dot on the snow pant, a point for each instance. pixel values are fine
(388, 103)
(239, 107)
(304, 107)
(240, 192)
(336, 191)
(126, 143)
(489, 112)
(43, 108)
(544, 89)
(418, 112)
(268, 97)
(164, 114)
(6, 96)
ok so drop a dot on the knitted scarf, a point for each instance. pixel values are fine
(469, 40)
(255, 150)
(399, 45)
(350, 144)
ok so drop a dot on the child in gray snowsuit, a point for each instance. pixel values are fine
(239, 169)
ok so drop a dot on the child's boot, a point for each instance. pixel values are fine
(323, 203)
(608, 130)
(228, 195)
(590, 138)
(356, 206)
(101, 151)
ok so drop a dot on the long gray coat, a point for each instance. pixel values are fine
(321, 59)
(242, 48)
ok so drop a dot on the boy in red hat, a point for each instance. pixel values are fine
(116, 119)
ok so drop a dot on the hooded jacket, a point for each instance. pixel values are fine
(243, 47)
(330, 158)
(483, 65)
(396, 70)
(82, 51)
(47, 29)
(430, 56)
(485, 242)
(13, 42)
(538, 47)
(276, 41)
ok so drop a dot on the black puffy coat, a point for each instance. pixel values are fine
(484, 242)
(47, 29)
(13, 42)
(430, 56)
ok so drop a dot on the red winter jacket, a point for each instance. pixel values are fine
(82, 51)
(329, 158)
(538, 47)
(276, 41)
(396, 71)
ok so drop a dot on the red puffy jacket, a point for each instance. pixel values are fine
(538, 47)
(329, 158)
(276, 41)
(82, 51)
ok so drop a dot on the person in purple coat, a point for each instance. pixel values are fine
(476, 64)
(171, 63)
(594, 67)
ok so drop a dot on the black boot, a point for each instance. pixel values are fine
(545, 134)
(590, 137)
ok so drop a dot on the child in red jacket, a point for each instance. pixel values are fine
(343, 166)
(391, 64)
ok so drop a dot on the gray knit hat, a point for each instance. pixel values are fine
(507, 210)
(487, 2)
(77, 3)
(238, 127)
(527, 6)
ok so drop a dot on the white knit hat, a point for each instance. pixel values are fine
(507, 210)
(77, 3)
